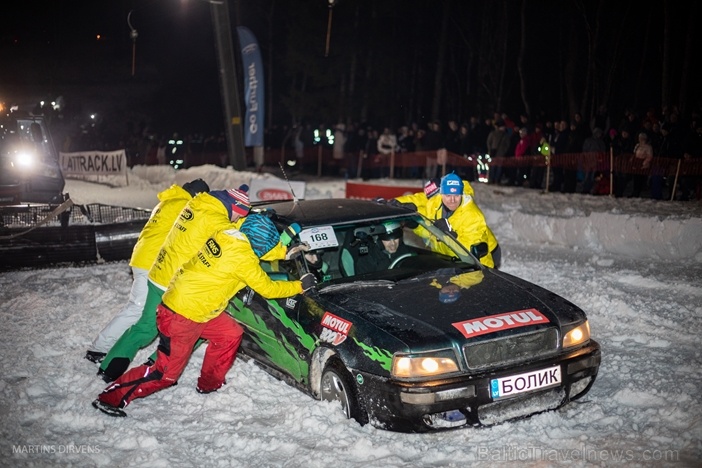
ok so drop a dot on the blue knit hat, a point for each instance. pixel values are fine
(451, 184)
(261, 232)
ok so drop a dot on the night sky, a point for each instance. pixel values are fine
(52, 48)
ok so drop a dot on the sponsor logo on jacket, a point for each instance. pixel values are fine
(493, 323)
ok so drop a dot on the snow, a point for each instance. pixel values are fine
(634, 265)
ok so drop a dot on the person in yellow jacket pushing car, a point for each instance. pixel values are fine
(192, 308)
(454, 211)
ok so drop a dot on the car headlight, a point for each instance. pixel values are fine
(577, 336)
(423, 365)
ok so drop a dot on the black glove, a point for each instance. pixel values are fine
(411, 206)
(479, 250)
(445, 226)
(309, 281)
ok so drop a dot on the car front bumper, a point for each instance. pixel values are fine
(467, 400)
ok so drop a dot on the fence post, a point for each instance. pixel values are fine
(392, 163)
(675, 182)
(611, 172)
(548, 172)
(319, 160)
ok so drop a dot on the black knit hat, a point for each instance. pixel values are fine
(196, 186)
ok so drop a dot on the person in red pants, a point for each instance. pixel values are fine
(192, 308)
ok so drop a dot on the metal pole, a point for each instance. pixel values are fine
(228, 84)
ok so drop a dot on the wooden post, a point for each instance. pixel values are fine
(392, 163)
(675, 182)
(548, 172)
(319, 160)
(611, 172)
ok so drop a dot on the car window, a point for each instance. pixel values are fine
(355, 252)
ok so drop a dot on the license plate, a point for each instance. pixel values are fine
(523, 383)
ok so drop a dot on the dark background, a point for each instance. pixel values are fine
(390, 62)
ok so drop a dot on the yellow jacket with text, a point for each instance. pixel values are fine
(171, 202)
(200, 218)
(226, 263)
(467, 221)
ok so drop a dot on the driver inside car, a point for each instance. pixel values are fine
(388, 247)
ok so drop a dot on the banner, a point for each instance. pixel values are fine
(275, 189)
(371, 191)
(253, 87)
(94, 163)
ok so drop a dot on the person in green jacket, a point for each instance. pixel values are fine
(192, 308)
(171, 202)
(198, 220)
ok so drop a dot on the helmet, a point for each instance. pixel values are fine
(393, 230)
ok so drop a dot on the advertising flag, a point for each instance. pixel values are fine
(253, 87)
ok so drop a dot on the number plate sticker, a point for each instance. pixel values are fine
(319, 237)
(527, 382)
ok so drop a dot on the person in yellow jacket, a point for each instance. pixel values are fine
(171, 202)
(199, 219)
(452, 208)
(192, 308)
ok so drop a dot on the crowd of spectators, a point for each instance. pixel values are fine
(361, 150)
(501, 136)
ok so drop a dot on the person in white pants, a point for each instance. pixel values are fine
(171, 202)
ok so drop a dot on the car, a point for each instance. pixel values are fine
(29, 165)
(430, 342)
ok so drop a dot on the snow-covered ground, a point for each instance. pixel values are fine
(634, 265)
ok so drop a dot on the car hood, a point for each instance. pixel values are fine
(475, 305)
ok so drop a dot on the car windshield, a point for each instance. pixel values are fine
(375, 250)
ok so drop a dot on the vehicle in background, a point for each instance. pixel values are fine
(39, 224)
(29, 165)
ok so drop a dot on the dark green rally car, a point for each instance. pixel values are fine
(425, 342)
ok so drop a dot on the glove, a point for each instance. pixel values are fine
(295, 249)
(479, 250)
(411, 206)
(287, 235)
(432, 187)
(443, 224)
(309, 281)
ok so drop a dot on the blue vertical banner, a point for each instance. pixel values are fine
(253, 87)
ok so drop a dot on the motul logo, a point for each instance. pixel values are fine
(273, 194)
(335, 329)
(493, 323)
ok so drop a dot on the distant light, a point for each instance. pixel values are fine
(93, 116)
(98, 37)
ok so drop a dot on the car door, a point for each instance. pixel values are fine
(273, 335)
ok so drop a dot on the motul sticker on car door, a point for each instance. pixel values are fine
(335, 329)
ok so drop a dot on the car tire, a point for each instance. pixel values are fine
(337, 385)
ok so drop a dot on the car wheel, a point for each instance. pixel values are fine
(337, 385)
